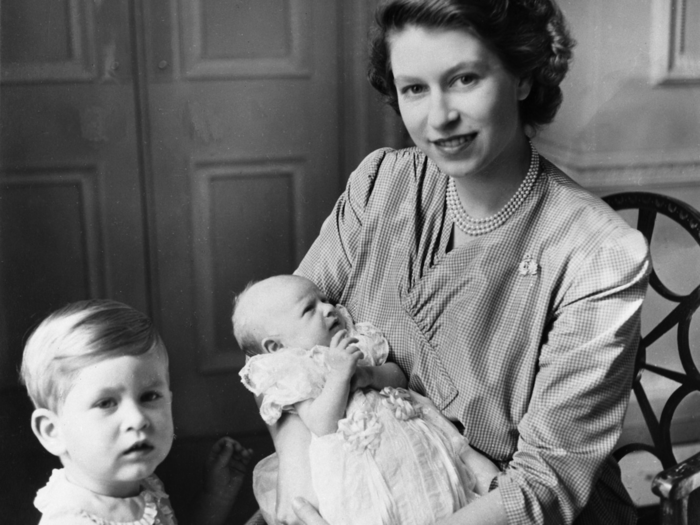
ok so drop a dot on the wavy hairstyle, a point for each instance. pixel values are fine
(529, 36)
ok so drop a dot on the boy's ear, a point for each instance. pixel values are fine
(271, 345)
(46, 429)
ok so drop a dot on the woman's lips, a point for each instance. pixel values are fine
(455, 142)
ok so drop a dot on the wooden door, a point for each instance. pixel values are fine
(71, 209)
(244, 127)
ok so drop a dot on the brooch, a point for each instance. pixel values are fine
(528, 266)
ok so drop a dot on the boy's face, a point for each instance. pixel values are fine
(116, 423)
(301, 316)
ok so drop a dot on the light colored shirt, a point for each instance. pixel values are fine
(526, 335)
(64, 503)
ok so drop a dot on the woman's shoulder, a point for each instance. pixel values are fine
(388, 161)
(569, 201)
(391, 174)
(570, 210)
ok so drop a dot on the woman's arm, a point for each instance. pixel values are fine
(581, 390)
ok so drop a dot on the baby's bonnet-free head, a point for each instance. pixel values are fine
(283, 311)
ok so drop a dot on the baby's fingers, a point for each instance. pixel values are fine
(338, 337)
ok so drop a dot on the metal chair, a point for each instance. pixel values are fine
(676, 483)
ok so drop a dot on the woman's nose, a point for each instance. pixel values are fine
(441, 114)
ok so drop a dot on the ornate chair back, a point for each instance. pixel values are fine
(676, 483)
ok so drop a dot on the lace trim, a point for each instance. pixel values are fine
(151, 497)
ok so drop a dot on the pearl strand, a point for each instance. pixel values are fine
(474, 227)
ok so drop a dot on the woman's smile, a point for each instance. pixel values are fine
(454, 143)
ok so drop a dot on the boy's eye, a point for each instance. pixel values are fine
(106, 403)
(151, 396)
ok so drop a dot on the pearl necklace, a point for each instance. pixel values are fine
(472, 226)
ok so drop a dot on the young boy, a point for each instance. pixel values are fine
(97, 373)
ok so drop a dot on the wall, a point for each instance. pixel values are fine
(631, 122)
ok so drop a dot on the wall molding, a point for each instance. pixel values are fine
(613, 171)
(670, 63)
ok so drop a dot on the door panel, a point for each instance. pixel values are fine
(245, 133)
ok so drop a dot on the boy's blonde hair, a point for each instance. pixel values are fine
(77, 335)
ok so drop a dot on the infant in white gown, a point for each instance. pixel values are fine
(394, 458)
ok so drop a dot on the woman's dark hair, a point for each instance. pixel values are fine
(529, 36)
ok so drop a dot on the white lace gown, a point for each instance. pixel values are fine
(395, 458)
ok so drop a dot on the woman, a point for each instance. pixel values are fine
(509, 295)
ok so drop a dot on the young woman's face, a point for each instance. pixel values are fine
(116, 423)
(457, 100)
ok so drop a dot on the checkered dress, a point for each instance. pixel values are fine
(536, 365)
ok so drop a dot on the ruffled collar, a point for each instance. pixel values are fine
(61, 497)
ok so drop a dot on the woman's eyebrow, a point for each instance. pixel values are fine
(473, 65)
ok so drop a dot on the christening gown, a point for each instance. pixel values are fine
(395, 459)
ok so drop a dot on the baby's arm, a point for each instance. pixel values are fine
(292, 440)
(321, 415)
(378, 377)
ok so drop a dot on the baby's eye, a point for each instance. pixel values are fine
(106, 403)
(151, 396)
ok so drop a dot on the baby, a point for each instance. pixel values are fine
(97, 373)
(379, 454)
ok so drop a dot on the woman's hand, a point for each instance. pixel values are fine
(307, 513)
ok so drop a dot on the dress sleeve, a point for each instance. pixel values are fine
(585, 375)
(331, 257)
(284, 378)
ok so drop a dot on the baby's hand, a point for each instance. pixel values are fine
(343, 355)
(225, 468)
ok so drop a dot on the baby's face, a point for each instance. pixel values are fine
(302, 316)
(116, 423)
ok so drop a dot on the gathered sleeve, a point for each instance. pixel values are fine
(582, 388)
(331, 257)
(283, 378)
